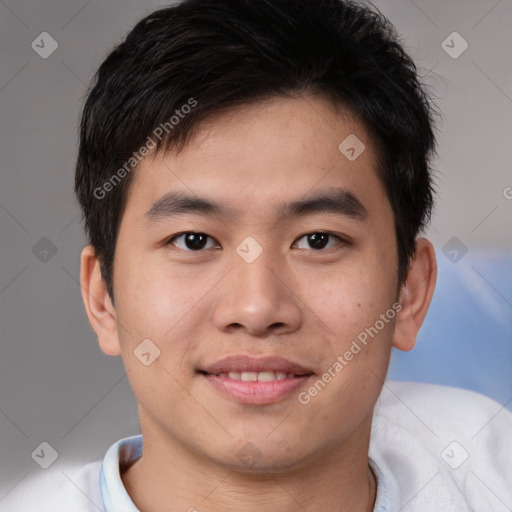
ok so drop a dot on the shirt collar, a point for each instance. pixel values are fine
(119, 457)
(382, 499)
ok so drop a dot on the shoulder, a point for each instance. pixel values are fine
(445, 408)
(445, 444)
(54, 490)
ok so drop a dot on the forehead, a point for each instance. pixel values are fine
(264, 153)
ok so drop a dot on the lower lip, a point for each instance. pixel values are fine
(257, 393)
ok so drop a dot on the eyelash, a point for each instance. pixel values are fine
(341, 240)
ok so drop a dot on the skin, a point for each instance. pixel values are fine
(294, 301)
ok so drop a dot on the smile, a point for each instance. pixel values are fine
(264, 376)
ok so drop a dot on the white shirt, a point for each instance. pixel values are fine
(432, 449)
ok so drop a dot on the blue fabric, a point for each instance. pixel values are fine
(466, 340)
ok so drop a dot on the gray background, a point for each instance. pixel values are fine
(55, 383)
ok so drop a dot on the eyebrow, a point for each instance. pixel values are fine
(338, 200)
(334, 200)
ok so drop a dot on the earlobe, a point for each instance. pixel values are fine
(416, 295)
(99, 308)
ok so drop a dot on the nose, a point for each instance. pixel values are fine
(257, 298)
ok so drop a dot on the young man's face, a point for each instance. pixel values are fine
(303, 299)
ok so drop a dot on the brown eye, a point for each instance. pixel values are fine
(192, 241)
(319, 240)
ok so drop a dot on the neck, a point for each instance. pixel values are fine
(170, 478)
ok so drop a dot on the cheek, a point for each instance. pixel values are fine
(351, 298)
(154, 298)
(356, 353)
(156, 303)
(167, 306)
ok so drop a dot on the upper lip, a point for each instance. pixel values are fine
(244, 363)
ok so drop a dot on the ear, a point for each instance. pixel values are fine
(416, 295)
(99, 308)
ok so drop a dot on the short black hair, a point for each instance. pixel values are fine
(183, 63)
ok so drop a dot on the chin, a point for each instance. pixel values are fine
(257, 455)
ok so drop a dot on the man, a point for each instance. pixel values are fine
(254, 178)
